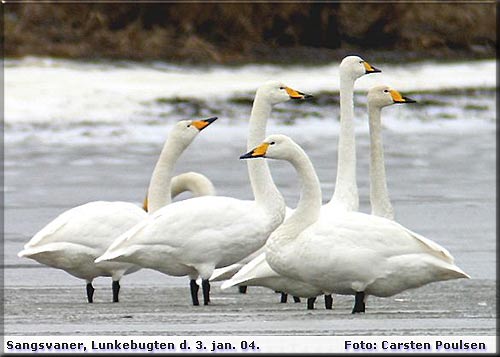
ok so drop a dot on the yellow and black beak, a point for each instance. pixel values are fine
(259, 151)
(203, 123)
(370, 69)
(398, 98)
(294, 94)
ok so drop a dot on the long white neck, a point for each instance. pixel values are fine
(308, 208)
(160, 183)
(197, 184)
(379, 195)
(346, 189)
(265, 191)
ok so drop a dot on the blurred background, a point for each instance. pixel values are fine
(247, 32)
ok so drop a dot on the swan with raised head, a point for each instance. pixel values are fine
(195, 236)
(345, 196)
(379, 97)
(353, 254)
(74, 239)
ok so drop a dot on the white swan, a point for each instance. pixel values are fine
(345, 196)
(74, 239)
(379, 97)
(354, 253)
(195, 236)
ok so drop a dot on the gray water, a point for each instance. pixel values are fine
(442, 185)
(77, 132)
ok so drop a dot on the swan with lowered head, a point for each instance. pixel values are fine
(357, 253)
(195, 236)
(74, 239)
(345, 196)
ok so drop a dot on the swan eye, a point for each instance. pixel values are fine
(282, 87)
(272, 143)
(386, 90)
(189, 125)
(361, 61)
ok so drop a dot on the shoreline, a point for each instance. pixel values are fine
(307, 56)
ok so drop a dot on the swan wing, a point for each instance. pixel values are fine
(94, 224)
(222, 230)
(385, 236)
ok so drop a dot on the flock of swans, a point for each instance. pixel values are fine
(308, 251)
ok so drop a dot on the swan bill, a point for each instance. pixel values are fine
(370, 69)
(294, 94)
(203, 123)
(259, 151)
(398, 98)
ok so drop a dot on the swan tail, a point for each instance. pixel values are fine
(258, 268)
(225, 273)
(32, 251)
(457, 273)
(69, 249)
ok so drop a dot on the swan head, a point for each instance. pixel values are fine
(185, 131)
(277, 92)
(354, 67)
(383, 95)
(275, 146)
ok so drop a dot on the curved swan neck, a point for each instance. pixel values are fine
(309, 206)
(265, 191)
(346, 189)
(379, 195)
(160, 183)
(197, 184)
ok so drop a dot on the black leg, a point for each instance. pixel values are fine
(205, 286)
(359, 302)
(116, 290)
(194, 292)
(242, 289)
(284, 297)
(328, 302)
(310, 303)
(296, 299)
(90, 292)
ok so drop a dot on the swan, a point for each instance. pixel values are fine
(379, 97)
(345, 196)
(353, 254)
(195, 236)
(74, 239)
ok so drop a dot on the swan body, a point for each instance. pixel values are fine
(352, 252)
(74, 239)
(196, 236)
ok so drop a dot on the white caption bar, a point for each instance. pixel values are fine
(234, 344)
